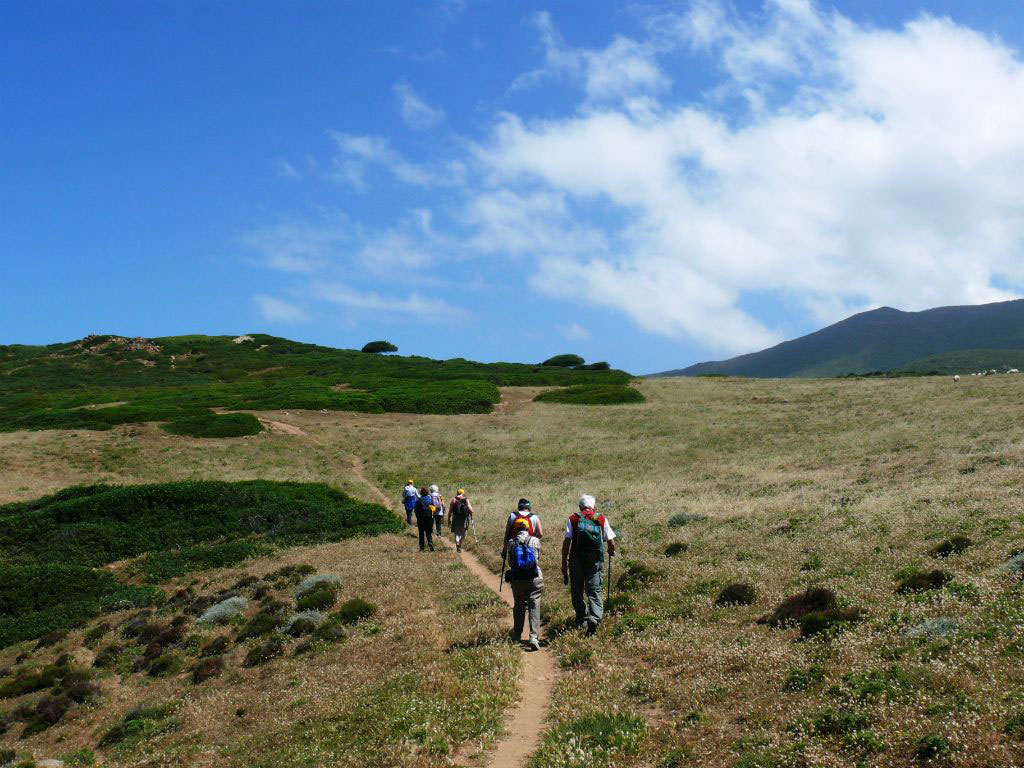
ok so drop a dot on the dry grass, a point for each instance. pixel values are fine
(843, 484)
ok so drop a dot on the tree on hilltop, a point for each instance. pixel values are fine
(379, 347)
(564, 361)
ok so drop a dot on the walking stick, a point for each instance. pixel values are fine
(608, 587)
(501, 579)
(472, 525)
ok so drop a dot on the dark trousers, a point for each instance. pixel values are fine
(426, 532)
(440, 520)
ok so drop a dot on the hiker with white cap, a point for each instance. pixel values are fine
(460, 514)
(526, 580)
(438, 502)
(586, 535)
(409, 497)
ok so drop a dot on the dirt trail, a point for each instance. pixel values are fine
(526, 721)
(280, 426)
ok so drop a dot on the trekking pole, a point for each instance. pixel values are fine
(501, 578)
(472, 525)
(608, 587)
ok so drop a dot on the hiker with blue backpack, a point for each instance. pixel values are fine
(586, 536)
(409, 498)
(522, 552)
(425, 510)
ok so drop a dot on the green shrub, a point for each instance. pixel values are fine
(289, 575)
(830, 622)
(319, 598)
(330, 631)
(802, 679)
(204, 669)
(1014, 727)
(266, 651)
(676, 548)
(355, 610)
(378, 347)
(793, 608)
(636, 575)
(601, 394)
(591, 740)
(832, 722)
(931, 747)
(680, 519)
(263, 623)
(210, 424)
(97, 633)
(923, 581)
(564, 361)
(215, 647)
(739, 593)
(141, 723)
(165, 665)
(951, 546)
(163, 566)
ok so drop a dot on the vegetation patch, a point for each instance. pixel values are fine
(162, 566)
(590, 740)
(803, 679)
(636, 575)
(207, 668)
(676, 548)
(355, 610)
(266, 651)
(922, 581)
(602, 394)
(680, 519)
(378, 347)
(564, 361)
(739, 593)
(320, 598)
(951, 546)
(209, 424)
(142, 723)
(930, 748)
(795, 607)
(259, 625)
(830, 622)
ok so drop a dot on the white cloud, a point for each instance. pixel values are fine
(416, 113)
(416, 304)
(299, 246)
(358, 154)
(275, 310)
(625, 68)
(575, 332)
(889, 174)
(286, 170)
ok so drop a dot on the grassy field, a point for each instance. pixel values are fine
(847, 485)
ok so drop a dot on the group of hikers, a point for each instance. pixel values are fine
(588, 536)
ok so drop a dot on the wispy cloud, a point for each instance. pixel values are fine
(416, 113)
(422, 306)
(277, 310)
(357, 155)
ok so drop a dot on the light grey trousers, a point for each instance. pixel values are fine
(585, 585)
(526, 597)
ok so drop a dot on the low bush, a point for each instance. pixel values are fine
(802, 679)
(795, 607)
(215, 647)
(636, 575)
(97, 633)
(317, 580)
(302, 624)
(680, 519)
(354, 610)
(166, 665)
(162, 566)
(931, 747)
(49, 711)
(602, 394)
(739, 593)
(224, 610)
(108, 656)
(330, 631)
(830, 622)
(320, 598)
(29, 681)
(209, 424)
(951, 546)
(261, 624)
(600, 736)
(141, 723)
(676, 548)
(289, 575)
(264, 652)
(922, 581)
(832, 722)
(204, 669)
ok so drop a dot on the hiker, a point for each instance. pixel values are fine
(460, 515)
(524, 511)
(526, 580)
(438, 502)
(409, 497)
(425, 510)
(586, 534)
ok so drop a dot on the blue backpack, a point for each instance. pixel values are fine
(524, 562)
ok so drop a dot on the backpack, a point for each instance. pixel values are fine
(527, 518)
(461, 510)
(589, 540)
(524, 561)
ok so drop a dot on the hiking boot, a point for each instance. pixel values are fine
(534, 644)
(591, 629)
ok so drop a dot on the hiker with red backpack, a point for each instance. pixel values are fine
(522, 551)
(460, 514)
(524, 511)
(586, 536)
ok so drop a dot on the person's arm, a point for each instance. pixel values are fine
(538, 529)
(609, 536)
(469, 507)
(565, 559)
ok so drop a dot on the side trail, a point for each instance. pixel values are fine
(526, 720)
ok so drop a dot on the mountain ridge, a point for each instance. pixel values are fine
(882, 339)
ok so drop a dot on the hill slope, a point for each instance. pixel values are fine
(101, 381)
(882, 339)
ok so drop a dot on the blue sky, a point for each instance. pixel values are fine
(649, 184)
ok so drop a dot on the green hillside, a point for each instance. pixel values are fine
(966, 361)
(102, 381)
(883, 339)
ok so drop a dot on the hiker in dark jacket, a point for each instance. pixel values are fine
(425, 510)
(586, 536)
(460, 515)
(526, 580)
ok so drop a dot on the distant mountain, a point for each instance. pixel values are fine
(882, 339)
